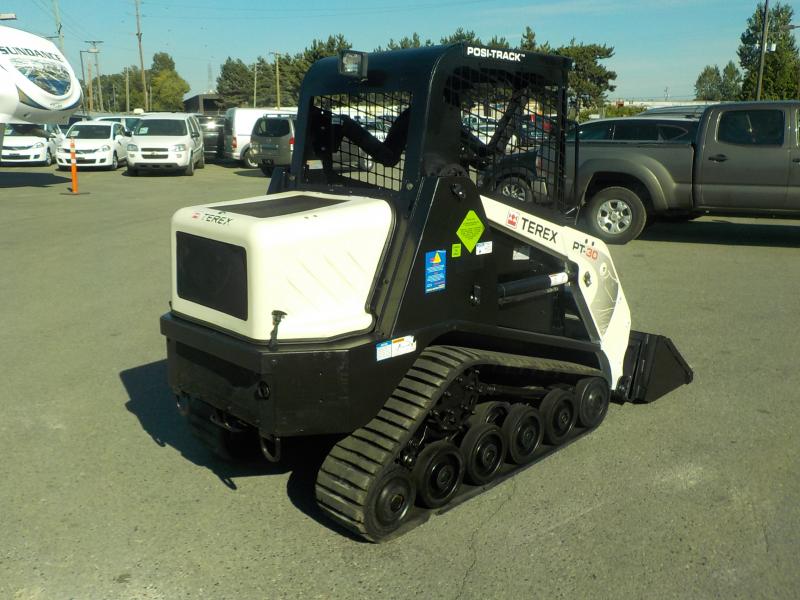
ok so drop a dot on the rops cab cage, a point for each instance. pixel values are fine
(496, 116)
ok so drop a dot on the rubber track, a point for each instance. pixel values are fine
(358, 460)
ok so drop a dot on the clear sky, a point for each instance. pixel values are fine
(659, 44)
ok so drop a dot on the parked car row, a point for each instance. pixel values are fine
(158, 141)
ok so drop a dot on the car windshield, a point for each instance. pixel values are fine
(90, 132)
(21, 129)
(161, 127)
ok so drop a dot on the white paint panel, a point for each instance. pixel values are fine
(317, 266)
(599, 297)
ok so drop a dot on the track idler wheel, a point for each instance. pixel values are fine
(559, 415)
(592, 396)
(438, 474)
(490, 412)
(523, 432)
(389, 501)
(484, 450)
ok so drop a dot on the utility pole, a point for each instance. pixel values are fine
(96, 51)
(255, 80)
(89, 87)
(764, 31)
(277, 78)
(141, 56)
(57, 14)
(127, 91)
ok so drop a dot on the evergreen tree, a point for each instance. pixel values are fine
(709, 84)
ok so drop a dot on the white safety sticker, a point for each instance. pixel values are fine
(395, 347)
(483, 248)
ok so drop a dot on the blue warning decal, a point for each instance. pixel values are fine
(435, 271)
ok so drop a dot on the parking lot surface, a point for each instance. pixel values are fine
(105, 494)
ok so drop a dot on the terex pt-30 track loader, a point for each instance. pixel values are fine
(381, 291)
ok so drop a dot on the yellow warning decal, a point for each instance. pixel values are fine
(436, 259)
(470, 230)
(455, 251)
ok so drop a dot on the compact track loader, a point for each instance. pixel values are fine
(384, 292)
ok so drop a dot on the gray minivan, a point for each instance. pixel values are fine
(272, 142)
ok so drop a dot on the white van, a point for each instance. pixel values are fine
(238, 127)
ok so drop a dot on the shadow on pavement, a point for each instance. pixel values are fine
(153, 403)
(42, 179)
(725, 233)
(251, 173)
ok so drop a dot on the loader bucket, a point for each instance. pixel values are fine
(653, 367)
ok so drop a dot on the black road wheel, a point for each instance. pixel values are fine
(48, 159)
(616, 215)
(592, 397)
(114, 163)
(189, 170)
(515, 187)
(266, 169)
(438, 474)
(484, 450)
(490, 412)
(523, 433)
(62, 167)
(132, 171)
(558, 415)
(389, 501)
(202, 162)
(248, 159)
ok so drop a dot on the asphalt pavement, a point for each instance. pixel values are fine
(104, 494)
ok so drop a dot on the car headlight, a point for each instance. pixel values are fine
(132, 148)
(179, 148)
(38, 145)
(105, 148)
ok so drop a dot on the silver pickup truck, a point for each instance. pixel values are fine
(744, 160)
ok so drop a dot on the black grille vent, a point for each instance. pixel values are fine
(212, 273)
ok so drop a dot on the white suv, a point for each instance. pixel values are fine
(169, 141)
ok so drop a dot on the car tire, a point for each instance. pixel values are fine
(616, 215)
(62, 167)
(114, 163)
(132, 171)
(48, 158)
(189, 170)
(202, 162)
(247, 159)
(516, 188)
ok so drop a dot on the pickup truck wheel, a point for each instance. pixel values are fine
(517, 188)
(616, 215)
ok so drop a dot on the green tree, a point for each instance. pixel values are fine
(167, 87)
(731, 86)
(235, 83)
(498, 42)
(589, 81)
(709, 84)
(528, 42)
(405, 42)
(780, 80)
(461, 35)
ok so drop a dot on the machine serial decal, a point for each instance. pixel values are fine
(483, 248)
(395, 347)
(210, 218)
(492, 53)
(470, 230)
(435, 271)
(587, 250)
